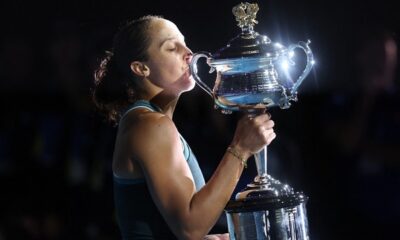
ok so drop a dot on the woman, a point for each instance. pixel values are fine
(159, 190)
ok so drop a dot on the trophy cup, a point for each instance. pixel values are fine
(254, 73)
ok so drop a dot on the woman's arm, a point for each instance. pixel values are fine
(158, 149)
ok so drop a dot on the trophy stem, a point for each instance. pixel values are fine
(261, 163)
(262, 177)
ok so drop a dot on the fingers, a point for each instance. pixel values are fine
(254, 132)
(265, 125)
(269, 124)
(271, 137)
(224, 236)
(260, 118)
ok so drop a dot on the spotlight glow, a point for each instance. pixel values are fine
(285, 65)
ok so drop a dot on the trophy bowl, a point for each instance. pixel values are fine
(251, 69)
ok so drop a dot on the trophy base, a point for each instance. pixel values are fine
(267, 210)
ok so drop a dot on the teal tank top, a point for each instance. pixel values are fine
(137, 215)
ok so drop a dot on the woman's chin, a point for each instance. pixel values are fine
(192, 82)
(189, 84)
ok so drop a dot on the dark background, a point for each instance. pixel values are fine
(339, 144)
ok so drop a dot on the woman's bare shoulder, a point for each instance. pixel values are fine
(150, 121)
(150, 128)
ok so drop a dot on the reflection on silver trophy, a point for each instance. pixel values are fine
(254, 73)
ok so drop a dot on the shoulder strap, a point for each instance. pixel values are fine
(141, 104)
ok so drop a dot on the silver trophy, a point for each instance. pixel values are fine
(254, 73)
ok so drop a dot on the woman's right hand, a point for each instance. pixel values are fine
(224, 236)
(253, 133)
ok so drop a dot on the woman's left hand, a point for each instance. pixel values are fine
(224, 236)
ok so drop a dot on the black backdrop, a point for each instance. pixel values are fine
(338, 144)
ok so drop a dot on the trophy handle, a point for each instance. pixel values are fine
(310, 62)
(193, 71)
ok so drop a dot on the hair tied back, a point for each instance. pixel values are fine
(104, 68)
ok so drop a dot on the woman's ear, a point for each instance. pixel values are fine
(140, 69)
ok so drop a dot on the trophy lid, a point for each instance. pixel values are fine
(248, 43)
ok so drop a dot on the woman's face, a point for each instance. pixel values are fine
(169, 58)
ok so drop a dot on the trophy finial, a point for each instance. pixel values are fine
(245, 14)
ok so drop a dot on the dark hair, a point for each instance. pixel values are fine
(114, 83)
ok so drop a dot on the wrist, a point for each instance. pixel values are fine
(239, 154)
(245, 153)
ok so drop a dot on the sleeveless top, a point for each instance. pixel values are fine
(137, 215)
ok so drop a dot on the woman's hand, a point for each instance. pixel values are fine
(253, 133)
(224, 236)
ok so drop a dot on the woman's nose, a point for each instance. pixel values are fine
(188, 55)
